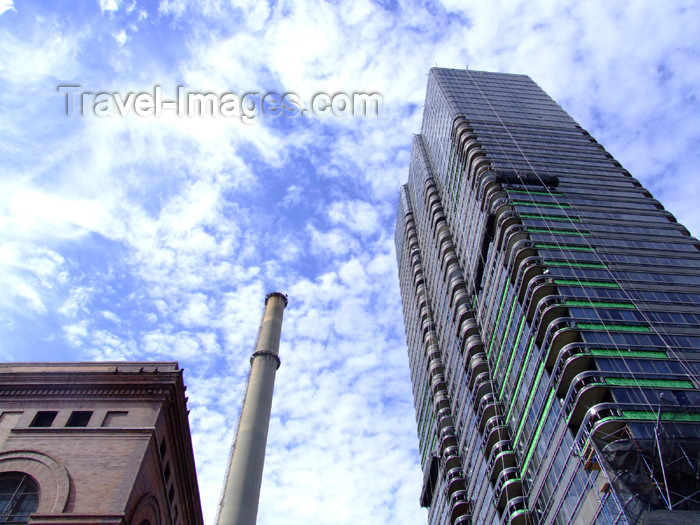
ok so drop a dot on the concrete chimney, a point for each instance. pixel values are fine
(239, 504)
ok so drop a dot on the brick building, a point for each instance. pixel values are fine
(85, 443)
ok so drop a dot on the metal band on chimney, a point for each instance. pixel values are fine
(266, 352)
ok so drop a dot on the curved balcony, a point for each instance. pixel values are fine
(443, 412)
(461, 513)
(514, 233)
(504, 223)
(559, 333)
(486, 182)
(472, 346)
(459, 296)
(529, 268)
(494, 198)
(446, 431)
(435, 366)
(488, 407)
(479, 166)
(573, 359)
(471, 152)
(446, 422)
(550, 309)
(451, 451)
(467, 324)
(603, 418)
(424, 315)
(516, 512)
(440, 401)
(586, 390)
(437, 216)
(417, 273)
(450, 462)
(454, 277)
(538, 287)
(431, 199)
(455, 485)
(430, 339)
(454, 473)
(482, 385)
(522, 249)
(450, 264)
(499, 204)
(444, 239)
(438, 384)
(507, 487)
(494, 432)
(449, 440)
(501, 457)
(544, 302)
(466, 142)
(477, 365)
(430, 186)
(427, 326)
(439, 228)
(433, 353)
(459, 496)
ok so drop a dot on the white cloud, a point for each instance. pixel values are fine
(197, 312)
(27, 63)
(77, 301)
(333, 242)
(111, 316)
(76, 333)
(109, 5)
(120, 37)
(293, 195)
(6, 5)
(359, 216)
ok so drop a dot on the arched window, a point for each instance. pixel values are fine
(19, 497)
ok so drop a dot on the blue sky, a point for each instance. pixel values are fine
(131, 237)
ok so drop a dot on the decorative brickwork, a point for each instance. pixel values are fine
(117, 452)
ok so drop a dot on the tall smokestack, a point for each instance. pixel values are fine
(239, 504)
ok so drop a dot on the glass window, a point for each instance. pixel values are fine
(79, 418)
(19, 497)
(43, 418)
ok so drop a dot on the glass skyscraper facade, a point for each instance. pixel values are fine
(552, 312)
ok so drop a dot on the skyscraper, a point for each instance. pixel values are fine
(552, 312)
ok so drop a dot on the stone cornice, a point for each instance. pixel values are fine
(25, 390)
